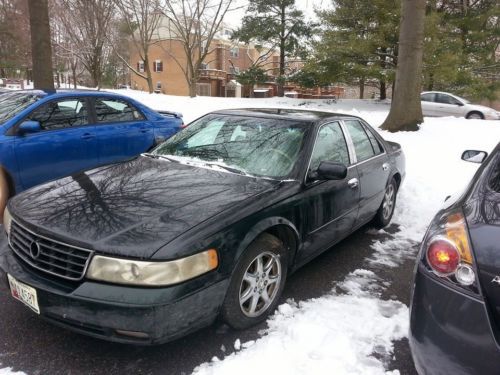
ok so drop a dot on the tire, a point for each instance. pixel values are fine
(386, 209)
(245, 304)
(4, 193)
(475, 115)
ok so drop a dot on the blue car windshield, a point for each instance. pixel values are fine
(13, 103)
(263, 147)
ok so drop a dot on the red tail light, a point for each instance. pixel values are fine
(443, 257)
(183, 126)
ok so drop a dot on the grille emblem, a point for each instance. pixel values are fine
(35, 249)
(496, 280)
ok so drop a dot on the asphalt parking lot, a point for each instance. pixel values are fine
(35, 347)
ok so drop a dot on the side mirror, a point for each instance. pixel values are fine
(474, 156)
(329, 170)
(27, 127)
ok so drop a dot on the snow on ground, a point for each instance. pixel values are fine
(351, 330)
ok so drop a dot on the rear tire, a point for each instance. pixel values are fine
(4, 193)
(257, 283)
(475, 116)
(386, 209)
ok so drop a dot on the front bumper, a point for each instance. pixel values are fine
(120, 313)
(450, 331)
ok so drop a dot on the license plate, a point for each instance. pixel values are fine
(24, 293)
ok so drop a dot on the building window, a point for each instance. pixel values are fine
(140, 66)
(158, 85)
(234, 51)
(204, 66)
(204, 89)
(158, 66)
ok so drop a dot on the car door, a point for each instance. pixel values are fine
(62, 147)
(331, 206)
(373, 169)
(428, 104)
(447, 105)
(122, 131)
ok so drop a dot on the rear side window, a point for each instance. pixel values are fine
(377, 147)
(61, 114)
(116, 110)
(362, 144)
(429, 97)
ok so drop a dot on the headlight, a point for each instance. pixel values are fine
(125, 271)
(7, 220)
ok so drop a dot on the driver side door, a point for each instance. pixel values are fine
(331, 206)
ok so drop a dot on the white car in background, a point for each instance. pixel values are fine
(436, 103)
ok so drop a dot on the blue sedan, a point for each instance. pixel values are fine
(48, 135)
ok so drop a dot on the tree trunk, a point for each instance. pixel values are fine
(149, 77)
(41, 48)
(406, 109)
(73, 73)
(192, 89)
(362, 88)
(383, 90)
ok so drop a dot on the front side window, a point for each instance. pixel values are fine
(330, 146)
(61, 114)
(115, 110)
(446, 99)
(257, 146)
(494, 181)
(362, 144)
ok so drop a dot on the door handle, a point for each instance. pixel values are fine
(353, 183)
(87, 136)
(385, 166)
(145, 130)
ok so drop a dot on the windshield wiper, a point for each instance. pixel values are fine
(227, 168)
(156, 156)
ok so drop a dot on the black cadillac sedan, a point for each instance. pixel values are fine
(209, 224)
(455, 308)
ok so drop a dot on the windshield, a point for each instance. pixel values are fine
(255, 146)
(13, 103)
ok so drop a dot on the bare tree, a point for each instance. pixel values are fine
(194, 24)
(41, 49)
(87, 23)
(406, 109)
(142, 18)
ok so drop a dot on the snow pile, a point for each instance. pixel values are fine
(9, 371)
(334, 334)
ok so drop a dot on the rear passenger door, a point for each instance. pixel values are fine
(122, 131)
(373, 167)
(62, 147)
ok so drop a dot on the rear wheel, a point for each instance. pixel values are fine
(386, 209)
(475, 116)
(257, 283)
(4, 193)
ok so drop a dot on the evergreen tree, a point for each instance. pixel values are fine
(359, 42)
(278, 24)
(252, 76)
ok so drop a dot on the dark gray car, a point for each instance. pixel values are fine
(455, 307)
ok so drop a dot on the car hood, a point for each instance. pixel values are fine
(133, 208)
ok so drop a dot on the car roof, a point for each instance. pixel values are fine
(66, 92)
(284, 113)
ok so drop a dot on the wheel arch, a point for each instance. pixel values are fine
(10, 181)
(279, 227)
(474, 111)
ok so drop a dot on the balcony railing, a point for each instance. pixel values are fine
(212, 74)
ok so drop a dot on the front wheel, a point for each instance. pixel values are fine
(386, 209)
(257, 283)
(475, 116)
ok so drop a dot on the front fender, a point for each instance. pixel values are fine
(261, 227)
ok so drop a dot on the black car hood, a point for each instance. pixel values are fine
(134, 208)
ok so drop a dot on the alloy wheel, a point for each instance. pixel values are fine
(389, 200)
(260, 284)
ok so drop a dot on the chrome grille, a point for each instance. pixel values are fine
(55, 258)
